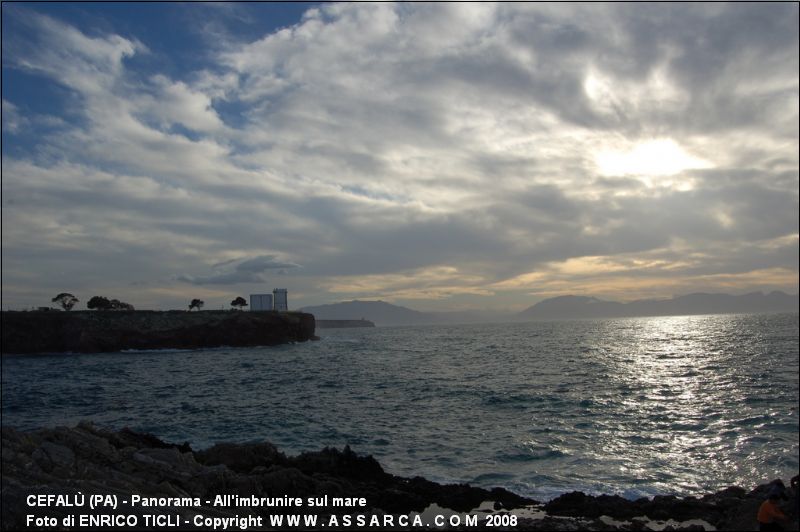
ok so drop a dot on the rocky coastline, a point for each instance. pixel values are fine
(109, 331)
(87, 460)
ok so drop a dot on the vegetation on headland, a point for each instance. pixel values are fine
(67, 301)
(103, 303)
(239, 303)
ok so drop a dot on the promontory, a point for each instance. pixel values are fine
(108, 331)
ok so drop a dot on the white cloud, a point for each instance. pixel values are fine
(13, 120)
(176, 103)
(58, 50)
(379, 143)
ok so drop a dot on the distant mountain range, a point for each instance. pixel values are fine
(564, 307)
(570, 307)
(382, 313)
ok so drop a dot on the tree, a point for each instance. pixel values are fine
(196, 303)
(239, 302)
(116, 304)
(66, 300)
(98, 303)
(103, 303)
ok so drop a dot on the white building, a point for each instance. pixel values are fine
(281, 299)
(260, 301)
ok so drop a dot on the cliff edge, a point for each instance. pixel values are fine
(105, 331)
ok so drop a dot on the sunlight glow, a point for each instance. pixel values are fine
(660, 157)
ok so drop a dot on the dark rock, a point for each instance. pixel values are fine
(728, 494)
(88, 459)
(57, 455)
(107, 331)
(507, 499)
(242, 458)
(288, 481)
(577, 503)
(396, 499)
(730, 509)
(660, 508)
(345, 464)
(92, 460)
(128, 438)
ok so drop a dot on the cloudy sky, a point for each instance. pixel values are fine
(439, 156)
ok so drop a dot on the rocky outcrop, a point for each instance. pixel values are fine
(733, 508)
(88, 460)
(106, 331)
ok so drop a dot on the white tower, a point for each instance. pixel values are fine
(260, 302)
(281, 299)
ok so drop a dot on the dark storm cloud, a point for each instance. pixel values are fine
(245, 271)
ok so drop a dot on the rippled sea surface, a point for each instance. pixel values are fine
(637, 406)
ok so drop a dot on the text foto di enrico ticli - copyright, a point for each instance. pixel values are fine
(114, 511)
(244, 522)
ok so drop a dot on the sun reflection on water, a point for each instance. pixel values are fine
(671, 375)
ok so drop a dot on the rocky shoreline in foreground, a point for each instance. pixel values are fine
(183, 483)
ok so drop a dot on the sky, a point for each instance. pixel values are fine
(437, 156)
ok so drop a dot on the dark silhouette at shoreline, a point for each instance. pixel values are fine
(83, 458)
(97, 332)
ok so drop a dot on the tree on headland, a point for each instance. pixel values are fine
(116, 304)
(196, 303)
(239, 303)
(103, 303)
(66, 300)
(98, 303)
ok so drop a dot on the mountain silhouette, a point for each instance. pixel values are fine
(379, 312)
(567, 307)
(563, 307)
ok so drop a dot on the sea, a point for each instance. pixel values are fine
(637, 407)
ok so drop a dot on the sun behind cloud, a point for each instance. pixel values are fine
(649, 159)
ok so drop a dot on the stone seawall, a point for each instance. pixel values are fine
(106, 331)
